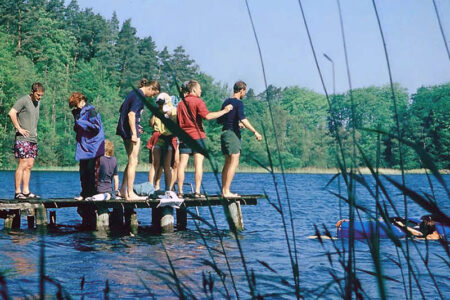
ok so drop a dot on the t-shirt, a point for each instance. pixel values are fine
(133, 103)
(27, 116)
(231, 119)
(105, 174)
(198, 111)
(159, 125)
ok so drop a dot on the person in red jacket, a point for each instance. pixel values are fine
(191, 112)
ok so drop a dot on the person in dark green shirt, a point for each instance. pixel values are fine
(25, 115)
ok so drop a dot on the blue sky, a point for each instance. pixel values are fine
(217, 34)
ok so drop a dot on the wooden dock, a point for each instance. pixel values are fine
(96, 215)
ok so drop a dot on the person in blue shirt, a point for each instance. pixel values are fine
(230, 138)
(107, 171)
(90, 141)
(130, 130)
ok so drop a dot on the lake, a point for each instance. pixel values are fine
(134, 266)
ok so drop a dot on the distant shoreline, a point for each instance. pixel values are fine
(309, 170)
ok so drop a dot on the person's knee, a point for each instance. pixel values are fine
(25, 164)
(30, 166)
(132, 161)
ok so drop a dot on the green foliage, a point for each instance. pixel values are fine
(72, 50)
(429, 122)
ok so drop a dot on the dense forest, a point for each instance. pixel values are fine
(69, 49)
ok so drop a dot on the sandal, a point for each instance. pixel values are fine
(180, 195)
(32, 196)
(20, 196)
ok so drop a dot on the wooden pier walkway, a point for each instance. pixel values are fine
(97, 216)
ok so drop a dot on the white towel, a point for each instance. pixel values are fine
(99, 197)
(169, 199)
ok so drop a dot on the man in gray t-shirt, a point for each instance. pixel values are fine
(25, 115)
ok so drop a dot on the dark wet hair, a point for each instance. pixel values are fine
(239, 86)
(427, 226)
(37, 86)
(153, 83)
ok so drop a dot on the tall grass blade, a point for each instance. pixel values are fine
(4, 287)
(440, 27)
(431, 207)
(174, 275)
(426, 159)
(149, 290)
(291, 219)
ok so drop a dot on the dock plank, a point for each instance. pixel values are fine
(211, 200)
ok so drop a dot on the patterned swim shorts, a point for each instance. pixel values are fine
(24, 149)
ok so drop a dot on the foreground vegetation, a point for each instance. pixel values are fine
(369, 127)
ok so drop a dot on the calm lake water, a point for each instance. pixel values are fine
(133, 265)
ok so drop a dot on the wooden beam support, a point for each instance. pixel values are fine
(12, 219)
(131, 221)
(41, 215)
(102, 215)
(52, 218)
(30, 221)
(156, 219)
(233, 214)
(182, 218)
(167, 219)
(116, 218)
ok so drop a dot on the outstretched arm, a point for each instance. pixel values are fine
(410, 230)
(249, 126)
(218, 114)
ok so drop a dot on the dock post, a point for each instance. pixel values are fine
(156, 219)
(12, 220)
(30, 218)
(41, 215)
(116, 218)
(167, 219)
(131, 220)
(233, 214)
(182, 218)
(52, 218)
(88, 214)
(30, 221)
(8, 221)
(102, 219)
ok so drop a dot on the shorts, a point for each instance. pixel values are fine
(163, 145)
(186, 149)
(25, 149)
(230, 143)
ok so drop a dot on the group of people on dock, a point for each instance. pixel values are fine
(168, 154)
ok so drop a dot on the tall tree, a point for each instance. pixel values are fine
(128, 54)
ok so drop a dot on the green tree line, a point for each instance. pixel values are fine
(69, 49)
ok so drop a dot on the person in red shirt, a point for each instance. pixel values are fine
(191, 122)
